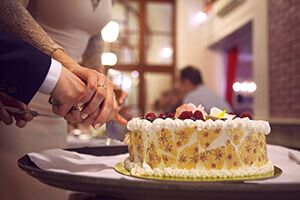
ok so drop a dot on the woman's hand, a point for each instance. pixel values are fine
(87, 75)
(7, 118)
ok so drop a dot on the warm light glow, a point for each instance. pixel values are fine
(200, 17)
(244, 87)
(166, 52)
(251, 87)
(110, 32)
(126, 83)
(135, 74)
(109, 59)
(123, 81)
(236, 87)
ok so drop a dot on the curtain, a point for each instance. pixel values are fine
(232, 59)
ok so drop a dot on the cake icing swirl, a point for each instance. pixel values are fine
(173, 124)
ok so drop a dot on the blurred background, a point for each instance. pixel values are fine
(248, 52)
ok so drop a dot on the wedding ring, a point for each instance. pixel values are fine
(78, 108)
(102, 85)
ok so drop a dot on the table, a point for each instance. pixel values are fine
(286, 186)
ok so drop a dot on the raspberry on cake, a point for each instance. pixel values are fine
(193, 144)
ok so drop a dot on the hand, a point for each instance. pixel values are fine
(99, 100)
(68, 90)
(7, 118)
(121, 96)
(91, 78)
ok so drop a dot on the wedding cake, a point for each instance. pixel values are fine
(193, 144)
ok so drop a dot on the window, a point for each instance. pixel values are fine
(146, 47)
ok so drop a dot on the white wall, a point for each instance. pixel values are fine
(156, 83)
(193, 42)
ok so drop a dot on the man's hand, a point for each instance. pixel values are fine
(7, 118)
(99, 100)
(69, 88)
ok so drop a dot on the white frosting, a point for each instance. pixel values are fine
(139, 124)
(146, 170)
(252, 126)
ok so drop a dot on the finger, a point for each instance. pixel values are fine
(118, 118)
(92, 117)
(94, 104)
(106, 109)
(73, 116)
(10, 101)
(122, 98)
(62, 110)
(5, 116)
(27, 117)
(115, 110)
(17, 104)
(20, 122)
(91, 88)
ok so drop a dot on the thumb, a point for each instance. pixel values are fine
(118, 118)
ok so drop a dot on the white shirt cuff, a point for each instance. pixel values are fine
(51, 78)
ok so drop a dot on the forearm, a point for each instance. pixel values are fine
(92, 54)
(15, 18)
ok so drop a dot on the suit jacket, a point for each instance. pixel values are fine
(23, 68)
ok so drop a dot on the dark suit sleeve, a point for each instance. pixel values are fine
(23, 68)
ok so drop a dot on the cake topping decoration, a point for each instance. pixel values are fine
(246, 114)
(220, 114)
(190, 111)
(198, 115)
(150, 116)
(190, 107)
(186, 115)
(162, 116)
(183, 108)
(171, 115)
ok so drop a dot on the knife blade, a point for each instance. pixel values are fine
(34, 113)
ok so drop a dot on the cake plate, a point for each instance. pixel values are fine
(109, 188)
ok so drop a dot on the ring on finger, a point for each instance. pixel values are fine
(102, 85)
(78, 108)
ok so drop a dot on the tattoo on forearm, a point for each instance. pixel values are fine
(15, 18)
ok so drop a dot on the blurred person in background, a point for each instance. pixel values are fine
(69, 32)
(176, 99)
(197, 93)
(168, 101)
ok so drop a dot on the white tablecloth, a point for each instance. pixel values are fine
(102, 166)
